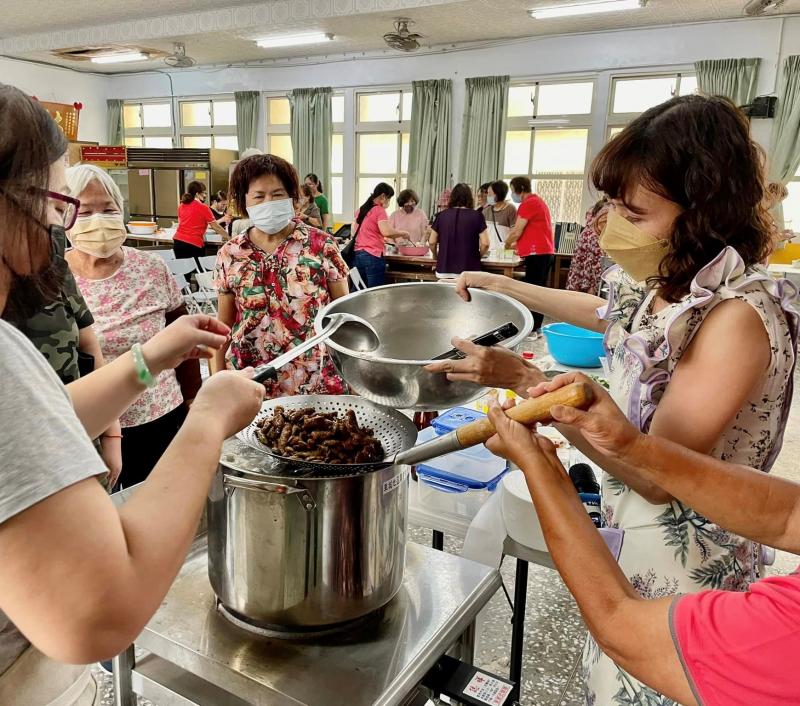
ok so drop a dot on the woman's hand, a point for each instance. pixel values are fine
(603, 425)
(229, 400)
(476, 280)
(188, 337)
(492, 366)
(519, 444)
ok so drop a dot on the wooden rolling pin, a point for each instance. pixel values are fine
(528, 412)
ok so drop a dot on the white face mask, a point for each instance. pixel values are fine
(271, 217)
(99, 235)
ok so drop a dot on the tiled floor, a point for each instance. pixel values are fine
(554, 631)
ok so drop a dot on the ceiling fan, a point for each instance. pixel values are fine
(178, 58)
(402, 39)
(754, 8)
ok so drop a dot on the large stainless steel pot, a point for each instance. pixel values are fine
(415, 322)
(300, 553)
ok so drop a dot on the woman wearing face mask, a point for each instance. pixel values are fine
(499, 214)
(274, 278)
(688, 229)
(81, 577)
(372, 229)
(308, 211)
(312, 181)
(482, 197)
(133, 296)
(409, 218)
(194, 219)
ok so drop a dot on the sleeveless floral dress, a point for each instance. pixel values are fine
(669, 549)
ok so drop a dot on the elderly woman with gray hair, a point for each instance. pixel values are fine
(132, 296)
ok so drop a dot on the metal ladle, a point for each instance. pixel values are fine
(352, 332)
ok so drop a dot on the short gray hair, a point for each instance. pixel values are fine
(81, 175)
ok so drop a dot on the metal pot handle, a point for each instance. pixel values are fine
(251, 484)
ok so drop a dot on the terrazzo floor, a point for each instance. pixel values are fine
(554, 630)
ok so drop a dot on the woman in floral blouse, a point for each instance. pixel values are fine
(586, 266)
(274, 278)
(700, 343)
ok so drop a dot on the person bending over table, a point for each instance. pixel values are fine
(710, 648)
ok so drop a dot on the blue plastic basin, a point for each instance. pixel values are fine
(573, 346)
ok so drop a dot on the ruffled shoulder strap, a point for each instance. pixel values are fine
(624, 297)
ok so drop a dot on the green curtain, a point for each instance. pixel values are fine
(784, 153)
(312, 128)
(483, 129)
(732, 78)
(248, 104)
(116, 132)
(429, 151)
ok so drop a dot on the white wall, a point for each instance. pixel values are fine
(63, 86)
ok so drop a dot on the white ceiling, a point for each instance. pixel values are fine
(223, 33)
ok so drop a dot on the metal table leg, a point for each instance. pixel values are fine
(123, 665)
(438, 540)
(518, 627)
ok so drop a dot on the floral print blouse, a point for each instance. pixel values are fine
(130, 307)
(277, 297)
(669, 549)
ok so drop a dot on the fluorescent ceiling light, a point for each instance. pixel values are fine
(294, 40)
(119, 58)
(585, 8)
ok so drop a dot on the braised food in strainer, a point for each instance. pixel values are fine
(324, 437)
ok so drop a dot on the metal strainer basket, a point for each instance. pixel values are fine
(395, 431)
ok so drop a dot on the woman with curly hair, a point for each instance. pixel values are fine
(700, 342)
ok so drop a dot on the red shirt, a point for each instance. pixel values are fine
(369, 236)
(740, 649)
(193, 220)
(537, 238)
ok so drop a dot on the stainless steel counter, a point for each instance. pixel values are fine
(380, 664)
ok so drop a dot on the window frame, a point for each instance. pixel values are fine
(574, 121)
(619, 120)
(399, 128)
(204, 130)
(144, 132)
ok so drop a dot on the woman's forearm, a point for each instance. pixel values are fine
(575, 308)
(102, 396)
(646, 487)
(752, 504)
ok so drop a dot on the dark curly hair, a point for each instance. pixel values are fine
(695, 151)
(461, 196)
(253, 167)
(407, 195)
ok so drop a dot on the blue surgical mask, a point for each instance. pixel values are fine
(491, 201)
(516, 198)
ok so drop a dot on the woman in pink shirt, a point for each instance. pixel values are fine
(410, 218)
(372, 229)
(711, 648)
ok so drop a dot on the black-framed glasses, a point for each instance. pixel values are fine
(67, 206)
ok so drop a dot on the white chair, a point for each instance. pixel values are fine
(358, 281)
(182, 267)
(165, 255)
(192, 306)
(206, 294)
(206, 263)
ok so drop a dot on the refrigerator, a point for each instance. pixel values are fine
(158, 177)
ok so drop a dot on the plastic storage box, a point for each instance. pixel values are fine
(454, 418)
(457, 485)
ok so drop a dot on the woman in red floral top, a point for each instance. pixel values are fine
(273, 279)
(586, 266)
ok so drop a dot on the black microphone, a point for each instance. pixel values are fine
(583, 478)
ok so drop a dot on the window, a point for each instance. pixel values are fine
(209, 123)
(383, 124)
(632, 96)
(547, 138)
(279, 142)
(791, 206)
(147, 124)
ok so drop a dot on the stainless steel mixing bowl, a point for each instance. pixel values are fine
(416, 322)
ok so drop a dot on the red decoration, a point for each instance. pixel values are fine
(77, 106)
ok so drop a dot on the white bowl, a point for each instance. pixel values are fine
(141, 228)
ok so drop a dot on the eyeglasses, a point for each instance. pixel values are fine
(67, 207)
